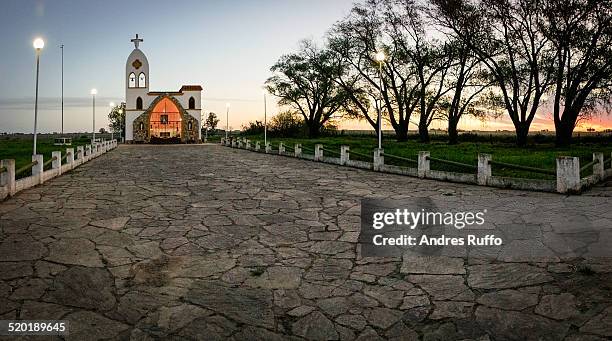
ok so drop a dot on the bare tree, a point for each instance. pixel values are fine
(305, 81)
(505, 35)
(428, 58)
(580, 32)
(469, 82)
(358, 38)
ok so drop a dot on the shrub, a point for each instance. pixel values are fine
(253, 128)
(287, 124)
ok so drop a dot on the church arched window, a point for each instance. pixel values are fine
(132, 80)
(191, 103)
(141, 126)
(142, 80)
(189, 126)
(139, 103)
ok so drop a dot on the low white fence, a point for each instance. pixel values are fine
(9, 184)
(567, 172)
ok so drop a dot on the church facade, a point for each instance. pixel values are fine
(158, 116)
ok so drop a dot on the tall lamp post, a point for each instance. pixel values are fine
(38, 45)
(265, 120)
(112, 105)
(227, 106)
(93, 95)
(62, 47)
(380, 58)
(122, 120)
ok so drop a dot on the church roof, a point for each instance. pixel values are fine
(176, 93)
(159, 93)
(191, 88)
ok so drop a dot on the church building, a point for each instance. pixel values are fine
(158, 116)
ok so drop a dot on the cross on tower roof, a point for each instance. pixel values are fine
(136, 41)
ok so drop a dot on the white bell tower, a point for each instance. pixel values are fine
(136, 87)
(136, 79)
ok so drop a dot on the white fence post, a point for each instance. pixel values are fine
(248, 144)
(423, 165)
(37, 169)
(87, 152)
(7, 178)
(568, 174)
(257, 146)
(318, 152)
(344, 155)
(268, 148)
(70, 157)
(57, 163)
(484, 169)
(598, 168)
(297, 151)
(379, 159)
(80, 153)
(281, 148)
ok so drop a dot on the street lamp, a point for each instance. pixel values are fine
(205, 124)
(93, 94)
(380, 58)
(62, 47)
(227, 106)
(122, 120)
(38, 45)
(112, 105)
(265, 120)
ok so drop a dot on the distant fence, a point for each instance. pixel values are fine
(10, 185)
(568, 171)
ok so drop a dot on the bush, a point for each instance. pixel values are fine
(253, 128)
(287, 124)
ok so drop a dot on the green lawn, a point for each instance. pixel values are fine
(537, 155)
(20, 149)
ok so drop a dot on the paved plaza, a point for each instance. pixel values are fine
(203, 242)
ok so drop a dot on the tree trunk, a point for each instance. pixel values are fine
(314, 129)
(401, 134)
(563, 133)
(423, 132)
(522, 130)
(453, 137)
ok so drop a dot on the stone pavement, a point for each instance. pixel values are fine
(210, 243)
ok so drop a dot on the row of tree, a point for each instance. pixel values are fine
(445, 59)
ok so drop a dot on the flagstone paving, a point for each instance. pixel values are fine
(211, 243)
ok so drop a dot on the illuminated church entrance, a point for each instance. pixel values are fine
(165, 122)
(158, 116)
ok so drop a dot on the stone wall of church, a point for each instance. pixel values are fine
(141, 129)
(189, 135)
(189, 125)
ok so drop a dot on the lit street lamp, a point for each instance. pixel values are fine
(227, 105)
(205, 127)
(380, 58)
(38, 45)
(112, 105)
(93, 94)
(265, 120)
(62, 47)
(122, 119)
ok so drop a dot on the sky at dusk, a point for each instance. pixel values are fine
(226, 46)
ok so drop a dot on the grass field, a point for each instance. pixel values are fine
(536, 155)
(20, 149)
(540, 155)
